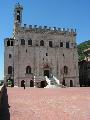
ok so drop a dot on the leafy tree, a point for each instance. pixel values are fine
(81, 48)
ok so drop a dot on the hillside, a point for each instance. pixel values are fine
(81, 47)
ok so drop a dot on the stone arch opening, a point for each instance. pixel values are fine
(71, 83)
(31, 83)
(63, 82)
(46, 70)
(28, 70)
(9, 69)
(47, 73)
(22, 83)
(8, 43)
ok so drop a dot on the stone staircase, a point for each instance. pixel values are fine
(52, 82)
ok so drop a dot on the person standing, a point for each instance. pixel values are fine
(24, 85)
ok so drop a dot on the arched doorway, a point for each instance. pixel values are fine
(63, 82)
(46, 73)
(71, 83)
(46, 70)
(43, 84)
(31, 83)
(22, 83)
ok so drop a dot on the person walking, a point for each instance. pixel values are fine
(24, 85)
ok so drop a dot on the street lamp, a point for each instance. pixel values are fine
(34, 82)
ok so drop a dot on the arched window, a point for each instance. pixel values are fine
(9, 69)
(65, 70)
(8, 43)
(30, 42)
(28, 70)
(41, 43)
(11, 43)
(67, 44)
(50, 43)
(18, 15)
(22, 42)
(61, 44)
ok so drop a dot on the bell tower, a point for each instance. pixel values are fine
(18, 15)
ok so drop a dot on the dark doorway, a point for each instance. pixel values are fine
(31, 83)
(22, 83)
(46, 73)
(71, 83)
(63, 83)
(43, 84)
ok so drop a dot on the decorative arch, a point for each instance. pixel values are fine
(28, 70)
(46, 66)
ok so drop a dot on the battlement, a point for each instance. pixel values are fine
(48, 29)
(10, 39)
(40, 29)
(18, 6)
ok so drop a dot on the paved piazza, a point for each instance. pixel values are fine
(49, 104)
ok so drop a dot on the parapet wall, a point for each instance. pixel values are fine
(49, 29)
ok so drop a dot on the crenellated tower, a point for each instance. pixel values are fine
(18, 15)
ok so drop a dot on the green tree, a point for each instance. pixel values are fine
(81, 48)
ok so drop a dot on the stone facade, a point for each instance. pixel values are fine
(34, 52)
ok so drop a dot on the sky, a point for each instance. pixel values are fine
(51, 13)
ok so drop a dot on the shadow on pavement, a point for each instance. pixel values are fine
(4, 109)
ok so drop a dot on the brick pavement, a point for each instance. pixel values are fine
(49, 104)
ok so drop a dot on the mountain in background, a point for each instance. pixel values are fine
(81, 47)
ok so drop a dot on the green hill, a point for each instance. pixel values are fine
(81, 47)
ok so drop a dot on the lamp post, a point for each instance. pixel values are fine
(34, 82)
